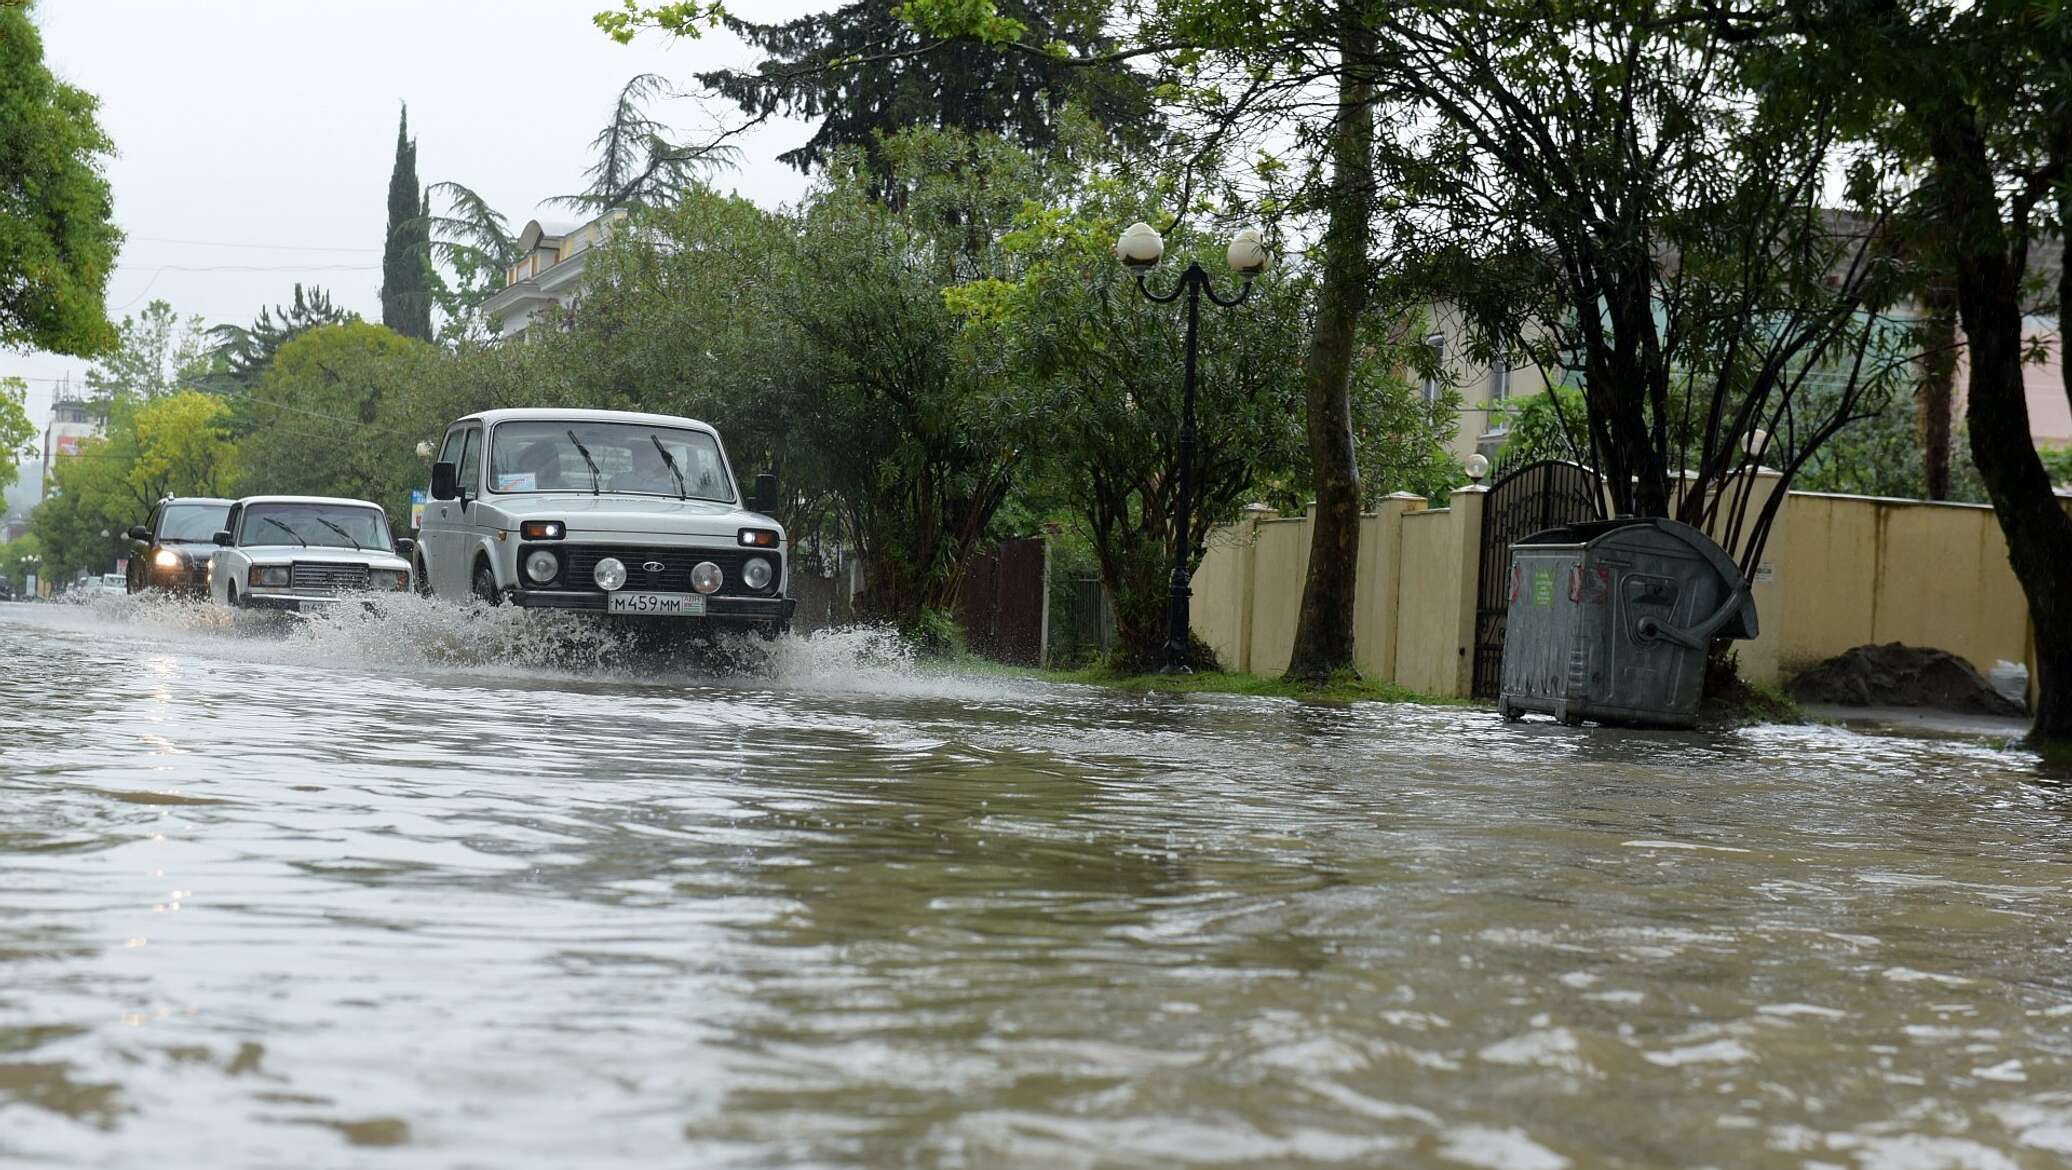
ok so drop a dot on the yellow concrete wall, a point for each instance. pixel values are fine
(1839, 571)
(1280, 559)
(1860, 571)
(1220, 597)
(1430, 590)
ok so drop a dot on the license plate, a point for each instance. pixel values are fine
(658, 604)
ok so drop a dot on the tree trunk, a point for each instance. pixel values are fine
(1324, 629)
(1938, 378)
(1988, 273)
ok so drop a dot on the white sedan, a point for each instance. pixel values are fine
(305, 552)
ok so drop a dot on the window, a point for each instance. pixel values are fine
(1500, 379)
(450, 453)
(586, 455)
(471, 463)
(1430, 386)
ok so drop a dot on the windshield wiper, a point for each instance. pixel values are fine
(585, 453)
(357, 547)
(683, 490)
(286, 529)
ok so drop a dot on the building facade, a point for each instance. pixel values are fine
(542, 285)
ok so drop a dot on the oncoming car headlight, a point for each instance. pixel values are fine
(542, 566)
(268, 576)
(166, 558)
(756, 573)
(394, 580)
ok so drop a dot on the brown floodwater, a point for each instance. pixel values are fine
(431, 888)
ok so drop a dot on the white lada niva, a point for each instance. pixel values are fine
(619, 513)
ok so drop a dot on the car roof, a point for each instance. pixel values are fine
(339, 500)
(195, 500)
(552, 414)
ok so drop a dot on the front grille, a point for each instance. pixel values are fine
(327, 576)
(579, 562)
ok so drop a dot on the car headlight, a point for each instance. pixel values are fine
(394, 580)
(757, 572)
(609, 574)
(166, 558)
(542, 566)
(268, 576)
(706, 577)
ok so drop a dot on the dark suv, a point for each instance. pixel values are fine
(176, 544)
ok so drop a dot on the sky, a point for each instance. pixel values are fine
(259, 134)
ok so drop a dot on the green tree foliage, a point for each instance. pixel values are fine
(176, 444)
(57, 236)
(18, 559)
(868, 69)
(245, 352)
(327, 409)
(406, 295)
(17, 433)
(154, 354)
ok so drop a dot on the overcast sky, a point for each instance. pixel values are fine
(259, 134)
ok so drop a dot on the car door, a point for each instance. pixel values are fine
(219, 560)
(138, 571)
(442, 536)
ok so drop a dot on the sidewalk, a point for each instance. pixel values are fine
(1920, 721)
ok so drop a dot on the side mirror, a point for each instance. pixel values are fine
(766, 493)
(223, 538)
(139, 532)
(445, 481)
(405, 546)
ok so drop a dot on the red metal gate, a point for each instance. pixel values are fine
(1004, 604)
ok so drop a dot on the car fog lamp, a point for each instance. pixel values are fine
(166, 558)
(756, 573)
(610, 574)
(543, 530)
(706, 577)
(542, 566)
(268, 576)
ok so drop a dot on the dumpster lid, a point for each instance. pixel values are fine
(1587, 532)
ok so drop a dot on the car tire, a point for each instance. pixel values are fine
(231, 597)
(424, 578)
(485, 584)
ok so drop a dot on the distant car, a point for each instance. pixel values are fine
(6, 589)
(303, 553)
(178, 540)
(612, 512)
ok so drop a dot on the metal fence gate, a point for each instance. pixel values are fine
(1524, 500)
(1004, 603)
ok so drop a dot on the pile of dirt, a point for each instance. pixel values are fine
(1896, 675)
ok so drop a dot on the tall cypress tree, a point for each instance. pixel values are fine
(406, 295)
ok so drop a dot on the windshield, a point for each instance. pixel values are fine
(314, 526)
(549, 456)
(196, 522)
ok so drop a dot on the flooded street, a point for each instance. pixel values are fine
(409, 893)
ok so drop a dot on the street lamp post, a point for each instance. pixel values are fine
(1140, 250)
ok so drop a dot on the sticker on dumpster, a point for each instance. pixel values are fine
(1543, 587)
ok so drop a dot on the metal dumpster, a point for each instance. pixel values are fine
(1609, 621)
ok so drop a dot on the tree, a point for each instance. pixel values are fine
(325, 409)
(153, 354)
(872, 68)
(57, 234)
(1101, 366)
(245, 352)
(1324, 624)
(176, 444)
(17, 433)
(406, 299)
(1970, 111)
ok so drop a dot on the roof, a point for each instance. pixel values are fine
(572, 414)
(536, 230)
(196, 500)
(338, 500)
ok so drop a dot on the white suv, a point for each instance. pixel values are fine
(604, 510)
